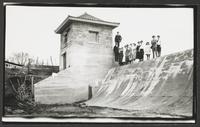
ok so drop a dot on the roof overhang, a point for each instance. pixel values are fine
(70, 19)
(13, 63)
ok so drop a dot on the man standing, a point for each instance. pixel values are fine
(154, 46)
(118, 39)
(138, 50)
(159, 46)
(116, 52)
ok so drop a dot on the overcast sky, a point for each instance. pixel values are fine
(31, 29)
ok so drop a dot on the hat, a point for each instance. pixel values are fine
(153, 36)
(158, 35)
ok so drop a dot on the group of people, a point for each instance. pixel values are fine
(133, 51)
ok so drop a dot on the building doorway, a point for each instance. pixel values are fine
(64, 61)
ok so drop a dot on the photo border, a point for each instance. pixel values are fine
(196, 17)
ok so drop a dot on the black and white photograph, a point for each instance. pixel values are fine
(98, 64)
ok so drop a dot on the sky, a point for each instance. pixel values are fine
(31, 29)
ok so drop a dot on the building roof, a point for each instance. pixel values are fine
(13, 63)
(89, 17)
(84, 18)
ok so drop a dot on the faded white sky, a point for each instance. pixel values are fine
(31, 29)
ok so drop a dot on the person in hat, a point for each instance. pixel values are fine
(116, 52)
(118, 39)
(159, 45)
(147, 50)
(154, 46)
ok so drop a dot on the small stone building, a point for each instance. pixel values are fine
(85, 40)
(86, 55)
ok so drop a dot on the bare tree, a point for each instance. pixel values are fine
(20, 58)
(51, 60)
(37, 61)
(47, 63)
(42, 62)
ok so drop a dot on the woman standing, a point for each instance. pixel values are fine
(134, 51)
(154, 46)
(127, 54)
(123, 59)
(159, 46)
(148, 50)
(130, 53)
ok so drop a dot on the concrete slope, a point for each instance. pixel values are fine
(163, 85)
(68, 86)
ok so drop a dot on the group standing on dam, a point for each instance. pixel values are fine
(135, 52)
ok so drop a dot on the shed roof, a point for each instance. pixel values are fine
(13, 63)
(84, 18)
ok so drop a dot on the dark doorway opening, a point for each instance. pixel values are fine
(64, 61)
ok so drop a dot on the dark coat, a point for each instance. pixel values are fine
(121, 55)
(138, 52)
(154, 44)
(116, 50)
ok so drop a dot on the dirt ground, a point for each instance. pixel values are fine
(76, 110)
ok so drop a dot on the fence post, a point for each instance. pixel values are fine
(32, 86)
(89, 92)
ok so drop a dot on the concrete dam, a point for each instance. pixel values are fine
(157, 87)
(161, 86)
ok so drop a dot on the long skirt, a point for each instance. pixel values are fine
(134, 54)
(158, 48)
(127, 59)
(116, 57)
(138, 55)
(141, 57)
